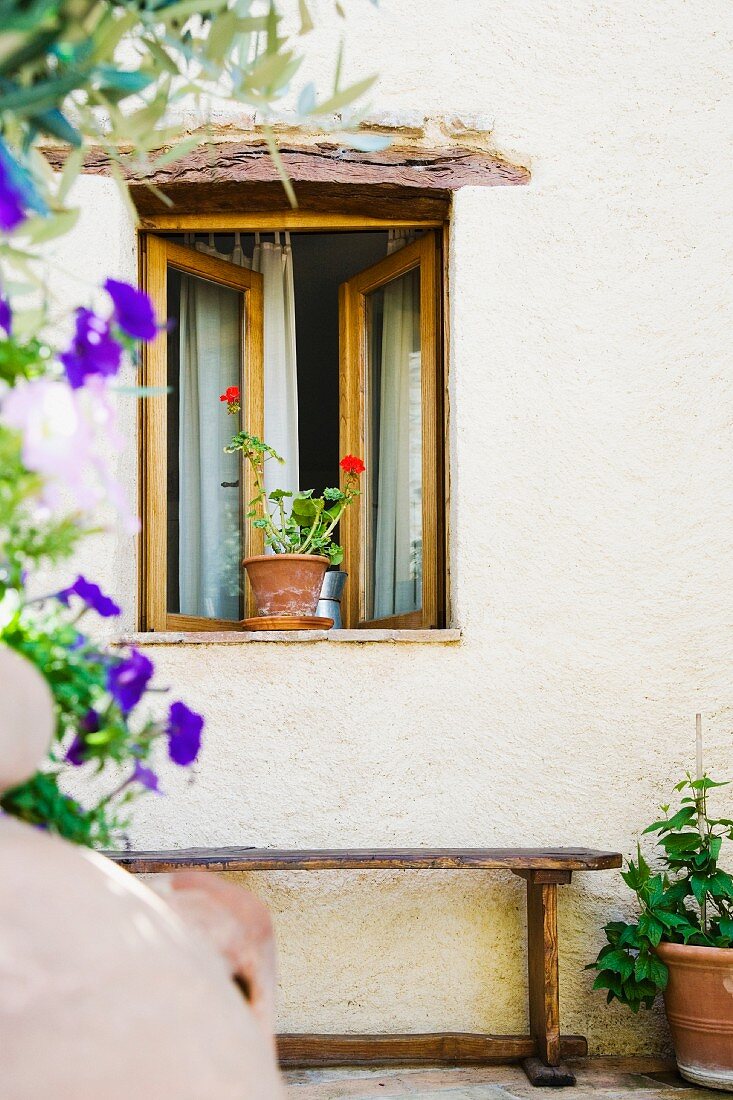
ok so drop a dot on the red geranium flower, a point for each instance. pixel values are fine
(350, 464)
(230, 396)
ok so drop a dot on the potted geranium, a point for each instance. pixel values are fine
(681, 942)
(298, 529)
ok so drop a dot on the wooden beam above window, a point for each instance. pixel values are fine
(227, 177)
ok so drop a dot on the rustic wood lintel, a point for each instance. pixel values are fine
(225, 176)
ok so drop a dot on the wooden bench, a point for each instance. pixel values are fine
(544, 869)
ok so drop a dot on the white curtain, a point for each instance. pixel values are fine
(209, 514)
(209, 543)
(275, 261)
(398, 534)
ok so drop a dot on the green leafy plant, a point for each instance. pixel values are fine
(689, 900)
(99, 726)
(308, 526)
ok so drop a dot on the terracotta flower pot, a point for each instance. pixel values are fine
(286, 584)
(699, 1004)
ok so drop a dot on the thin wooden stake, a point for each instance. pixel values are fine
(700, 805)
(698, 743)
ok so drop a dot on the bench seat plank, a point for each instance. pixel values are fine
(447, 1048)
(358, 859)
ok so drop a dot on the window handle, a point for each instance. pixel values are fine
(230, 484)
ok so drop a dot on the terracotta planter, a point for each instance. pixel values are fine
(699, 1004)
(286, 584)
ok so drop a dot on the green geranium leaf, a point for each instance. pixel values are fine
(305, 510)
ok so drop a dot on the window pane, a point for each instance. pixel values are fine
(204, 496)
(394, 444)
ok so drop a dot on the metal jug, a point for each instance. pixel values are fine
(329, 605)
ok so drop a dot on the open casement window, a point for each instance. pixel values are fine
(333, 333)
(195, 495)
(390, 415)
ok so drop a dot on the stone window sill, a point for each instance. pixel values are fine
(242, 637)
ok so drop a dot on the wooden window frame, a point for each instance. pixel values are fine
(160, 255)
(153, 482)
(423, 255)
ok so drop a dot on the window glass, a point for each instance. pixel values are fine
(393, 573)
(204, 496)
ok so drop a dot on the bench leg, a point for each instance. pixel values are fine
(544, 985)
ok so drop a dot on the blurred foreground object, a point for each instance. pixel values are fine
(105, 991)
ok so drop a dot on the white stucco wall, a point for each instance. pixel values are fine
(590, 454)
(102, 245)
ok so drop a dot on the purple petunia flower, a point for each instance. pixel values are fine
(184, 734)
(93, 350)
(91, 721)
(6, 317)
(59, 440)
(92, 595)
(75, 751)
(89, 724)
(18, 192)
(134, 311)
(12, 207)
(128, 679)
(146, 776)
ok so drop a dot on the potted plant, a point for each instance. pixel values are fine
(298, 529)
(681, 943)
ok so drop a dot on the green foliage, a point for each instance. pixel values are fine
(64, 62)
(309, 525)
(22, 360)
(76, 671)
(61, 77)
(40, 802)
(689, 900)
(29, 537)
(76, 676)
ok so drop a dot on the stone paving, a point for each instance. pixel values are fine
(598, 1079)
